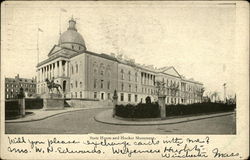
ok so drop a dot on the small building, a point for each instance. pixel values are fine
(13, 85)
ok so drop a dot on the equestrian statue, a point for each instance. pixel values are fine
(51, 85)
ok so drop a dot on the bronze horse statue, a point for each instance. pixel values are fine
(51, 85)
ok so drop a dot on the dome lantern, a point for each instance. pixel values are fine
(72, 24)
(72, 39)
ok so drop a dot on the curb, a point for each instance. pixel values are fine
(162, 122)
(39, 119)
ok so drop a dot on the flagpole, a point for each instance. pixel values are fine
(60, 22)
(37, 45)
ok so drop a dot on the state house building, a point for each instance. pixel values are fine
(87, 75)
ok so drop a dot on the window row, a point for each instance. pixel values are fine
(75, 84)
(22, 85)
(74, 69)
(129, 76)
(129, 97)
(100, 84)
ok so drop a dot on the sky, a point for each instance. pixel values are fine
(198, 39)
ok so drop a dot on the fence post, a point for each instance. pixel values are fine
(115, 99)
(21, 103)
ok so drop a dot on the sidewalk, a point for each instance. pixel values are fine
(40, 114)
(106, 117)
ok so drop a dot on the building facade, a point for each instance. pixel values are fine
(87, 75)
(13, 85)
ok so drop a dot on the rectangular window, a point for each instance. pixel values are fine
(108, 85)
(76, 94)
(76, 84)
(102, 96)
(76, 68)
(122, 87)
(95, 95)
(129, 97)
(129, 87)
(108, 95)
(101, 83)
(122, 97)
(71, 95)
(95, 83)
(136, 98)
(72, 70)
(136, 88)
(80, 94)
(122, 74)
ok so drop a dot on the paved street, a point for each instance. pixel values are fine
(83, 122)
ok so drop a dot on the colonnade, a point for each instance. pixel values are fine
(147, 79)
(56, 69)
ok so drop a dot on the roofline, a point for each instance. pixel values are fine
(116, 60)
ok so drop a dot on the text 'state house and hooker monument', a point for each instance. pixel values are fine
(85, 75)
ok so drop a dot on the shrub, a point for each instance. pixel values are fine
(198, 108)
(140, 110)
(11, 109)
(36, 103)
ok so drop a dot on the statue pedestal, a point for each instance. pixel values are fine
(53, 101)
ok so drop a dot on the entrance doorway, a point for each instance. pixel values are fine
(64, 86)
(102, 95)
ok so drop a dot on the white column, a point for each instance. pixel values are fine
(47, 71)
(40, 76)
(50, 71)
(53, 69)
(44, 69)
(60, 68)
(56, 69)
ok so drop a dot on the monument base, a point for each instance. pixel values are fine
(53, 102)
